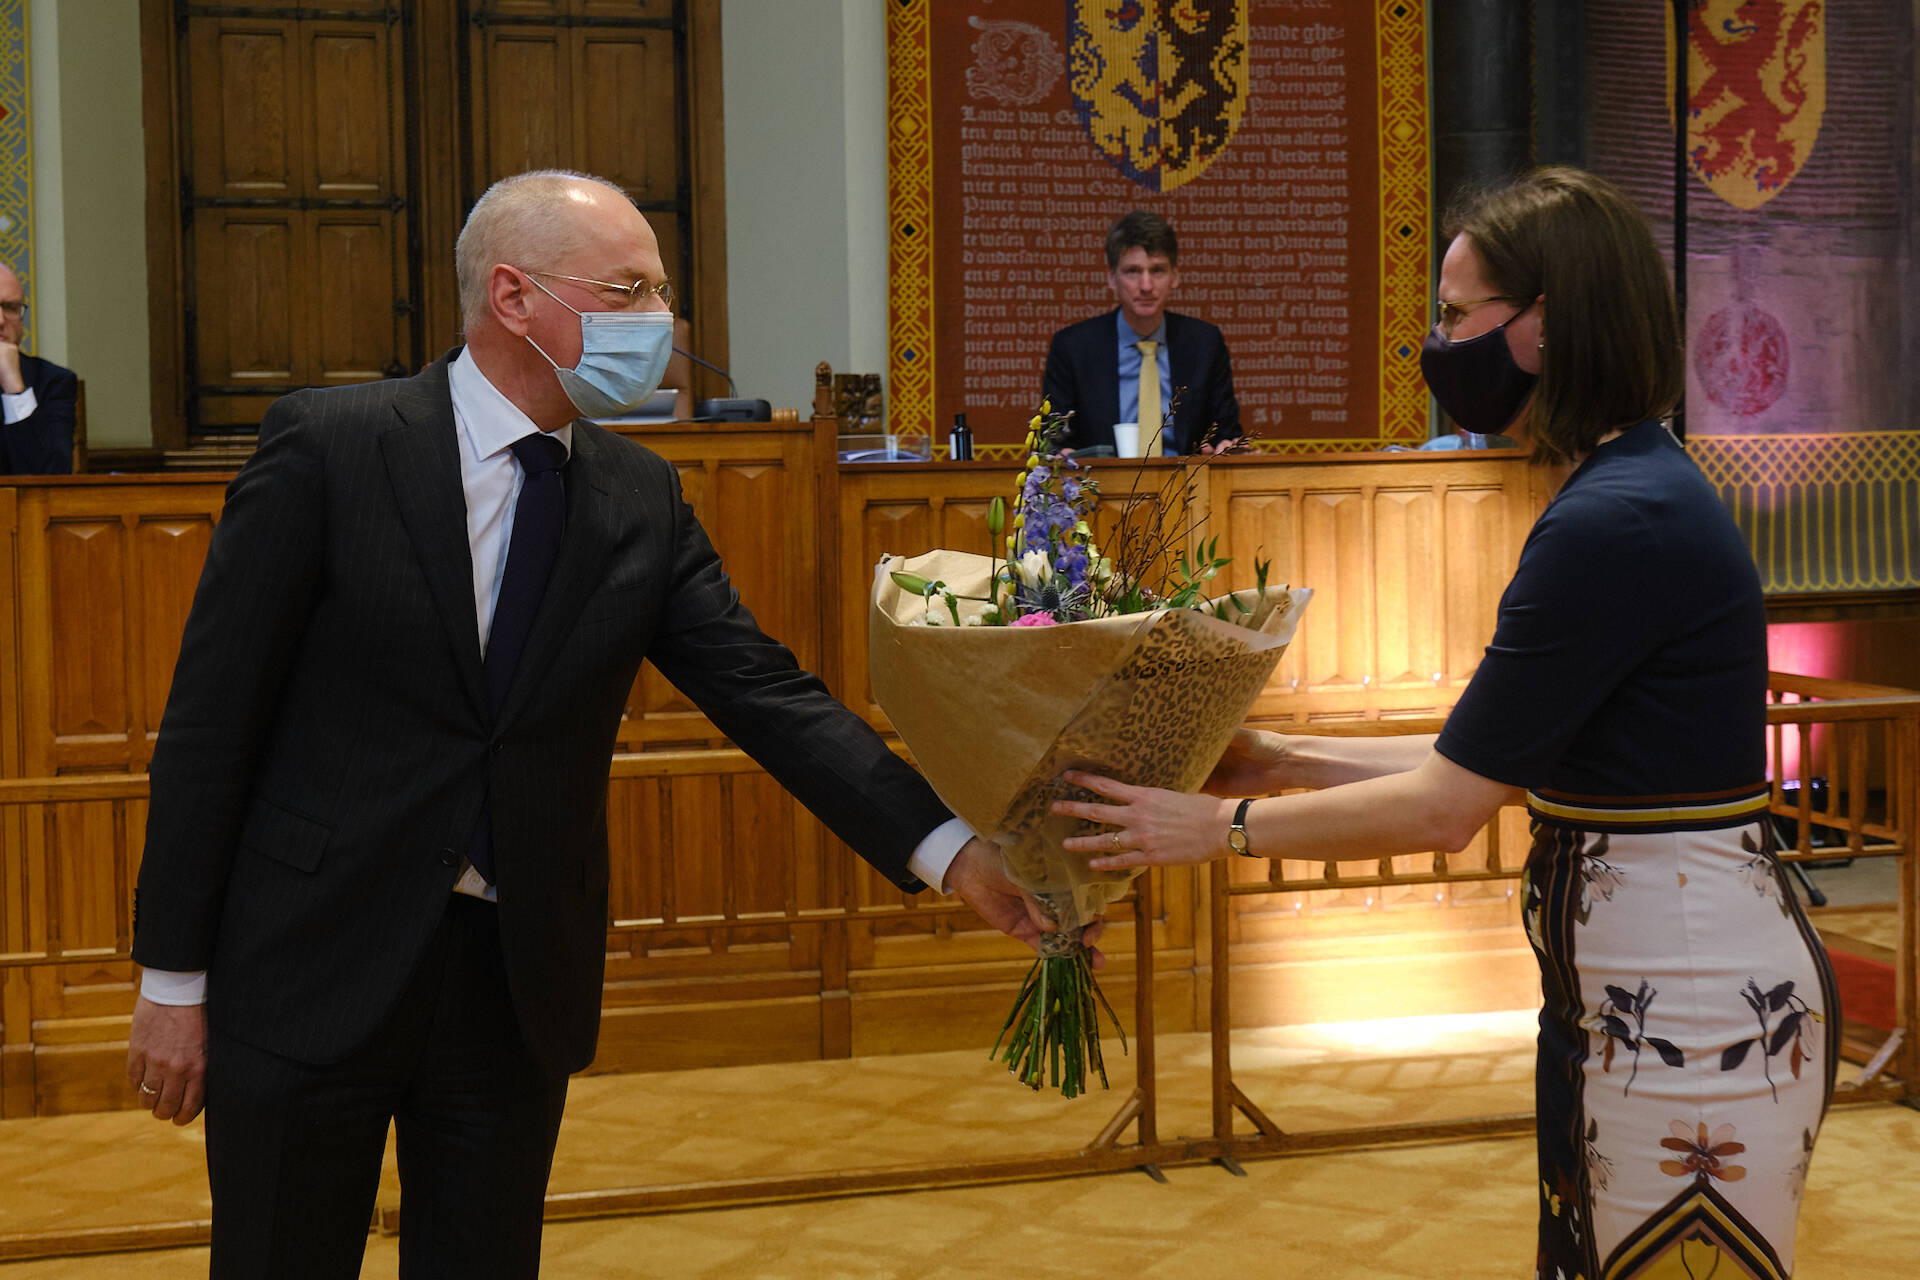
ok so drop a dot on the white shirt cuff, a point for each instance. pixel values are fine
(163, 986)
(936, 852)
(475, 885)
(19, 407)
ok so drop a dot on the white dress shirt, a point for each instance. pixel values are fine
(491, 476)
(18, 406)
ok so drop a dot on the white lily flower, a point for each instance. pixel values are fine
(1034, 568)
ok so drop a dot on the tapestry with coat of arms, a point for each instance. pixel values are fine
(1285, 140)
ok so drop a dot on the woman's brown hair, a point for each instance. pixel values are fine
(1612, 356)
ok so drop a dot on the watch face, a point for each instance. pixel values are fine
(1237, 839)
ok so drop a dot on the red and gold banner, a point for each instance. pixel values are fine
(1756, 92)
(1286, 140)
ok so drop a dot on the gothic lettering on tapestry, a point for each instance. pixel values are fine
(1253, 126)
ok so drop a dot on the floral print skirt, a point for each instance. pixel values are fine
(1688, 1044)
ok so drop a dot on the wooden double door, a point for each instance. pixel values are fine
(310, 165)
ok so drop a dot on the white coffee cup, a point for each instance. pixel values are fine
(1126, 439)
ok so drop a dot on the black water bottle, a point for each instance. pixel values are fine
(960, 440)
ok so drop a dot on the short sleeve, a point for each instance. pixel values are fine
(1579, 616)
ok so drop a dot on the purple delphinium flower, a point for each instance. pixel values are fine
(1055, 501)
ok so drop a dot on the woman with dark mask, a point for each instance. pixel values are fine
(1690, 1030)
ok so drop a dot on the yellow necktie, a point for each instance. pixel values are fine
(1151, 446)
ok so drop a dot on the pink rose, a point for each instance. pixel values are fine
(1035, 620)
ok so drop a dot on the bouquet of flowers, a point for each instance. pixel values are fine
(1001, 673)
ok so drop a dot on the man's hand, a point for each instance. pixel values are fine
(167, 1058)
(11, 381)
(980, 878)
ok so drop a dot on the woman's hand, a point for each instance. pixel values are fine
(1255, 763)
(1149, 826)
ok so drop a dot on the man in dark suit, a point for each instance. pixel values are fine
(377, 842)
(1098, 367)
(36, 396)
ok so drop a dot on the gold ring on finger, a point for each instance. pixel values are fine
(1114, 837)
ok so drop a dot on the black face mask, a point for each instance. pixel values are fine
(1476, 381)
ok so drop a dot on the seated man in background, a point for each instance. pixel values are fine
(36, 395)
(1098, 367)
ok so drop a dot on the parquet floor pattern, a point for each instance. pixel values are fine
(1456, 1210)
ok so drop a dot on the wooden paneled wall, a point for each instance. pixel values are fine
(739, 930)
(310, 165)
(1408, 554)
(295, 204)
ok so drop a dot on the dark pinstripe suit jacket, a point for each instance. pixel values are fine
(328, 737)
(1083, 374)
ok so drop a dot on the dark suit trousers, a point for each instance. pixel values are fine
(294, 1149)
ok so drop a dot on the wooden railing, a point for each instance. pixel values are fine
(822, 956)
(1871, 809)
(729, 904)
(1866, 737)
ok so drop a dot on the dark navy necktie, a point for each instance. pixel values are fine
(539, 518)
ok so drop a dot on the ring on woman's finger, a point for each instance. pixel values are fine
(1113, 837)
(148, 1091)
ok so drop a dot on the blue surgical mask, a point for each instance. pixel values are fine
(623, 356)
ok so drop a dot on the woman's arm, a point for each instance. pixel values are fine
(1436, 806)
(1258, 761)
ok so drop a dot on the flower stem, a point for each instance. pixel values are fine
(1053, 1032)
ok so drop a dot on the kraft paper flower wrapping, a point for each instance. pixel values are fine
(994, 714)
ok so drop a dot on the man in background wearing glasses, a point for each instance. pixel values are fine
(375, 881)
(36, 396)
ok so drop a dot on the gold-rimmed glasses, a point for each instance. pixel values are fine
(14, 310)
(636, 293)
(1450, 314)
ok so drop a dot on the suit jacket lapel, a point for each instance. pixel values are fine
(1183, 361)
(1103, 402)
(422, 451)
(577, 568)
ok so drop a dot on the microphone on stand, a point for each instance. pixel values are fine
(733, 409)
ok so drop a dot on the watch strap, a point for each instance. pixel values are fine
(1241, 845)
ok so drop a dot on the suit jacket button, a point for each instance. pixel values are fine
(498, 747)
(448, 858)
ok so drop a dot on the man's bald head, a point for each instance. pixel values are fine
(536, 217)
(539, 250)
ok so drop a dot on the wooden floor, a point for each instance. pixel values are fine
(1462, 1209)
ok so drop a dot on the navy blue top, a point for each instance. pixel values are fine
(1630, 656)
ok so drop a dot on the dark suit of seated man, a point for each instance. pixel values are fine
(1095, 368)
(36, 396)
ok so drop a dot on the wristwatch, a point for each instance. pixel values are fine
(1237, 833)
